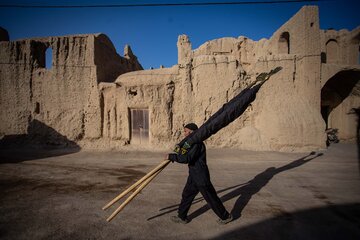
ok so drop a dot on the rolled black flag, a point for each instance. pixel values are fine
(226, 114)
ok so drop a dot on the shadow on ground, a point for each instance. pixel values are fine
(331, 222)
(244, 191)
(41, 141)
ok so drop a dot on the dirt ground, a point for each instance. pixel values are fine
(59, 194)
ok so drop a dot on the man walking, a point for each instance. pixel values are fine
(198, 181)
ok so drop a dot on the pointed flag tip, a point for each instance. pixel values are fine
(275, 70)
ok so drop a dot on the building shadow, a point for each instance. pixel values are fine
(244, 193)
(41, 141)
(332, 222)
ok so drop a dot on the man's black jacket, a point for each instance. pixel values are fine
(196, 160)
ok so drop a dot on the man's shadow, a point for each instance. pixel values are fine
(174, 207)
(254, 186)
(245, 190)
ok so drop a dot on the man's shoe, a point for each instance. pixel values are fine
(225, 221)
(177, 219)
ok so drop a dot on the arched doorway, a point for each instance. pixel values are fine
(356, 41)
(339, 96)
(332, 51)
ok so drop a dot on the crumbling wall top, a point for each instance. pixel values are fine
(221, 46)
(148, 77)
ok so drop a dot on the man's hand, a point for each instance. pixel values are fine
(167, 157)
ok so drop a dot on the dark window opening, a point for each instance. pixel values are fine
(37, 108)
(323, 57)
(132, 92)
(284, 43)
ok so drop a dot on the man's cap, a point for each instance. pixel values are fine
(191, 126)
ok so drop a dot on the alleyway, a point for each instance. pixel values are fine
(59, 195)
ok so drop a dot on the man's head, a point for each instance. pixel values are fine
(189, 128)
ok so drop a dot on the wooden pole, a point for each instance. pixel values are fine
(143, 185)
(160, 166)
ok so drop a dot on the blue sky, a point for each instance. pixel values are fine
(152, 32)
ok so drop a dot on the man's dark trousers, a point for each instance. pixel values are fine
(191, 189)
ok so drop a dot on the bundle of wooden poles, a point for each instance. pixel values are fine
(138, 186)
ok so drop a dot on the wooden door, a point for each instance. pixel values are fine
(139, 126)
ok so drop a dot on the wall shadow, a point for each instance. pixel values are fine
(41, 141)
(325, 223)
(245, 193)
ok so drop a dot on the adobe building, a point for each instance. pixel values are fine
(63, 96)
(96, 98)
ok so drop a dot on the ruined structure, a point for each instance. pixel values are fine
(64, 95)
(97, 98)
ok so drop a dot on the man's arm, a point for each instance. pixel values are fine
(185, 157)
